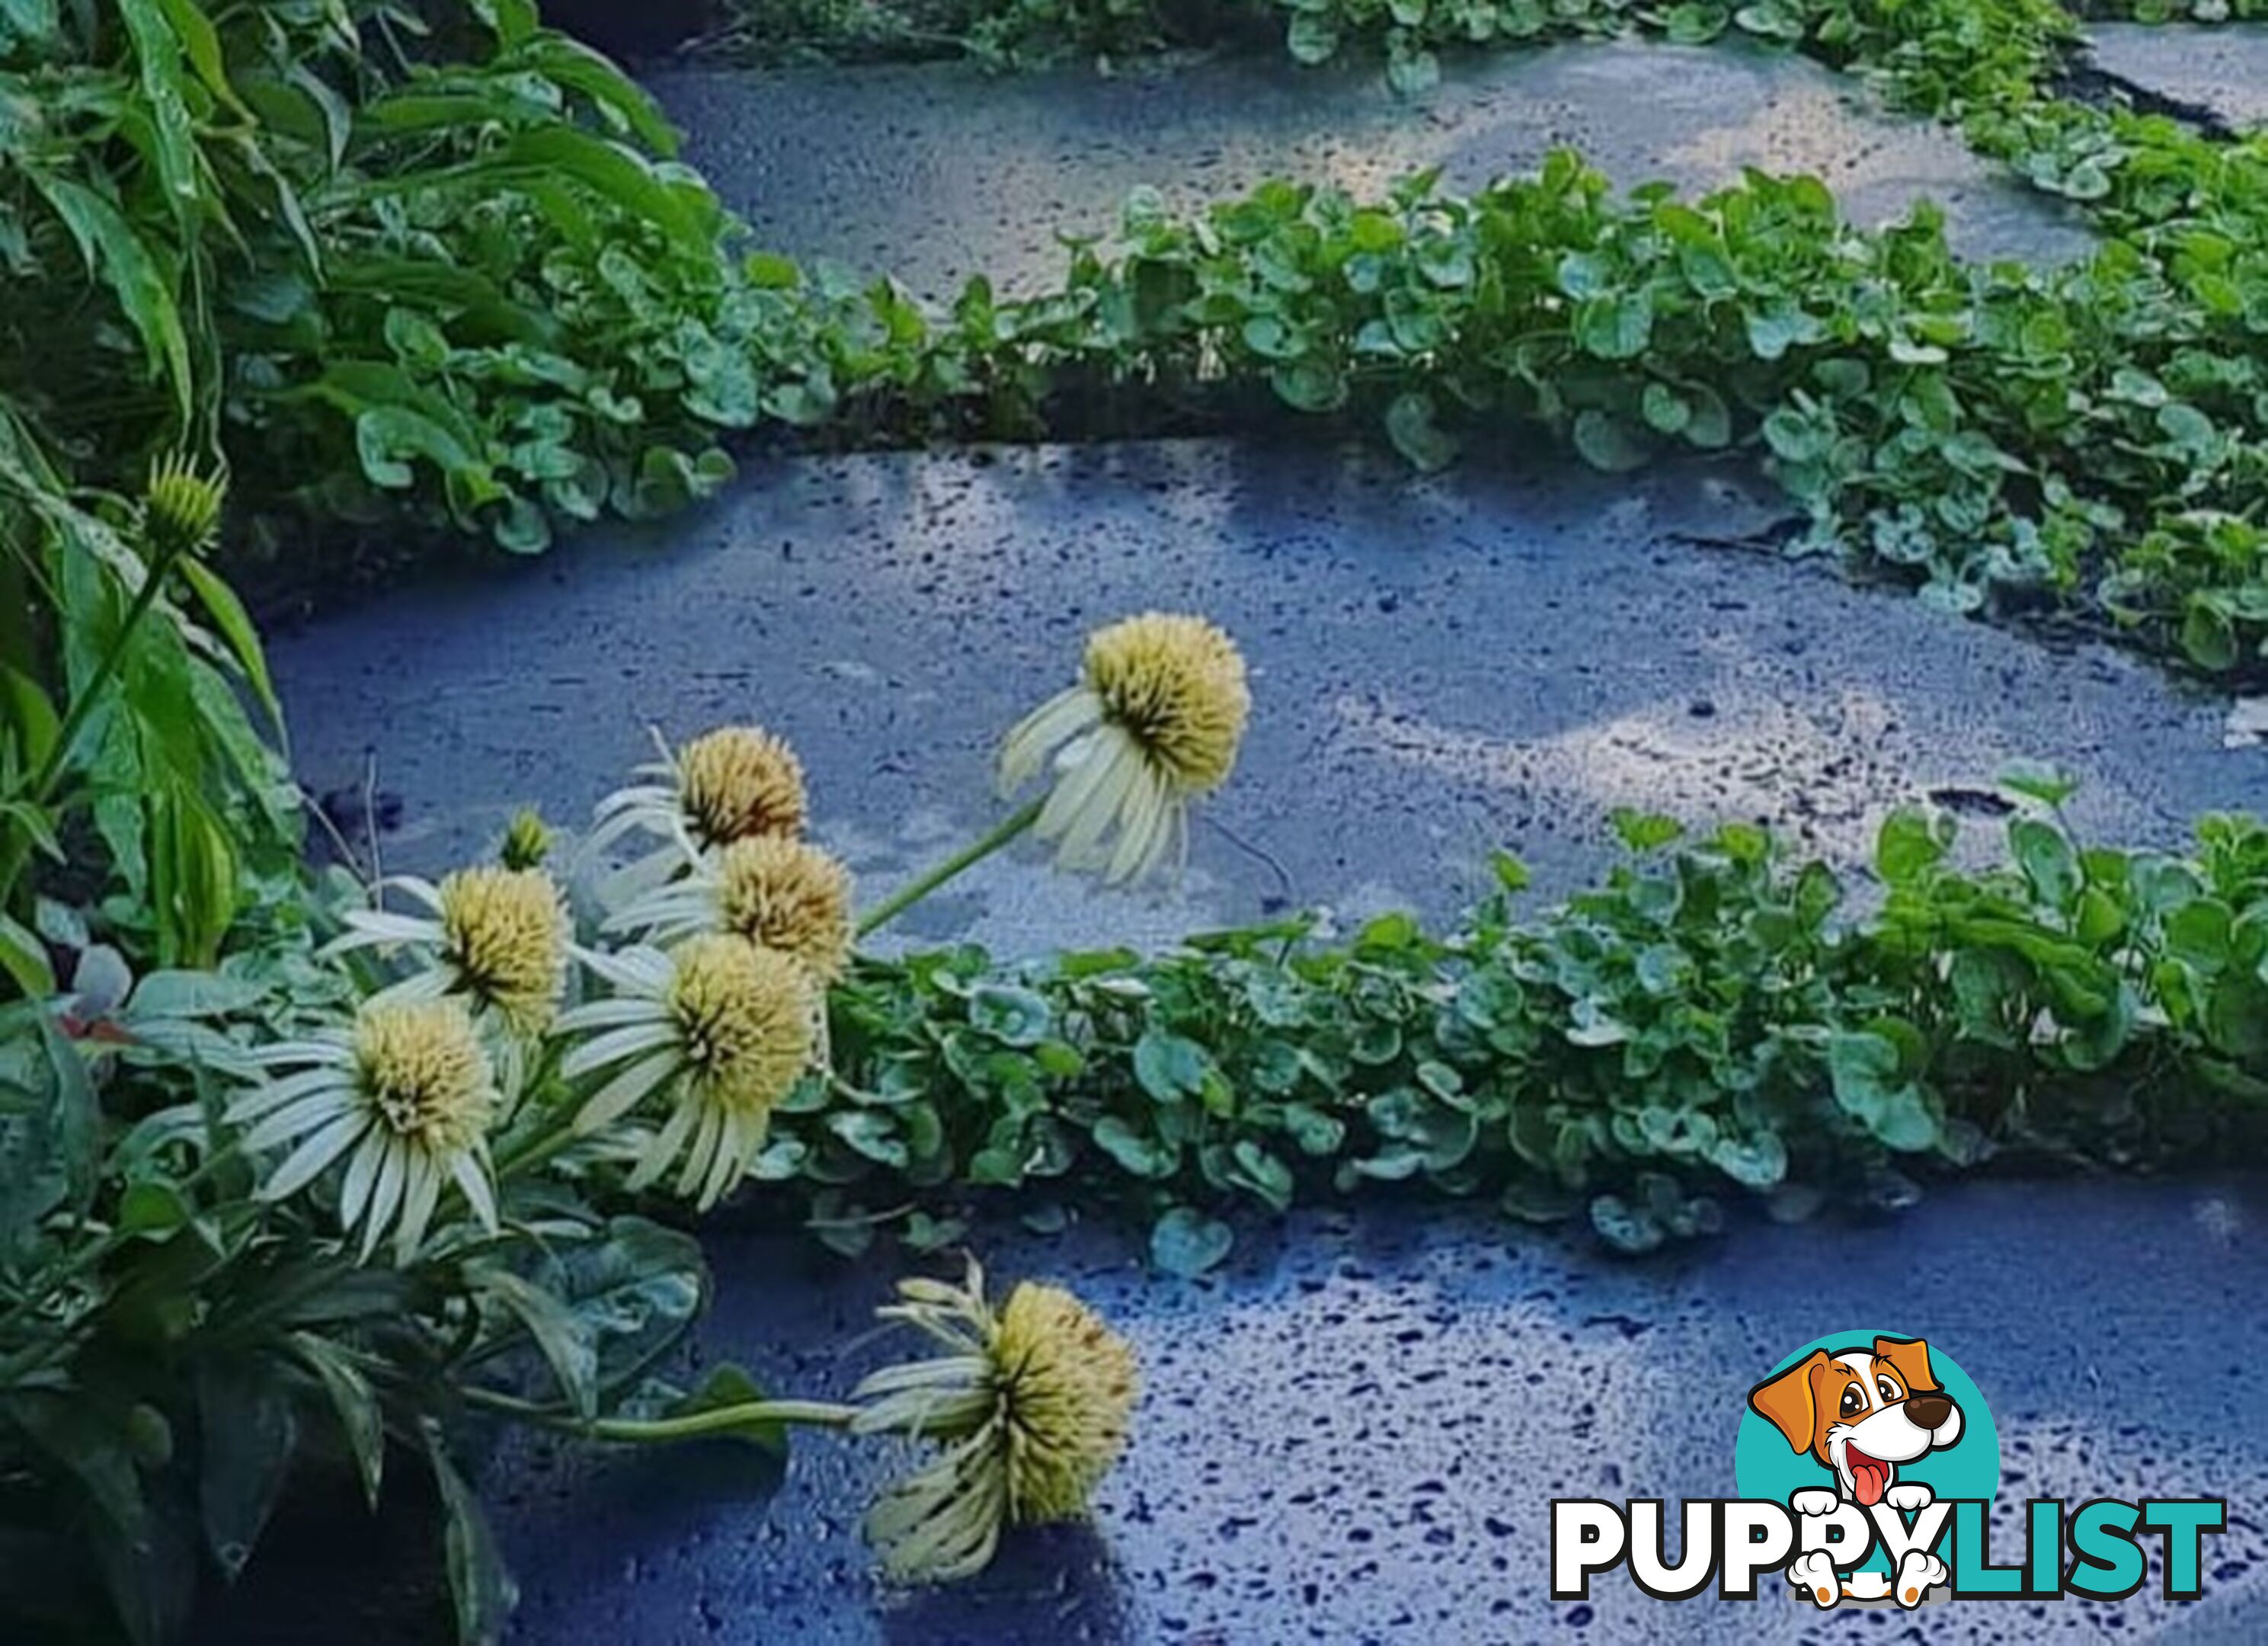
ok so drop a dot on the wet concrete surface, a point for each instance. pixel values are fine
(1497, 657)
(934, 173)
(1351, 1433)
(2223, 70)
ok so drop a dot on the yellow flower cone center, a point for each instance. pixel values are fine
(787, 896)
(738, 783)
(506, 932)
(746, 1016)
(425, 1073)
(1177, 686)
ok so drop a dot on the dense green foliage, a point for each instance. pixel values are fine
(387, 264)
(177, 1352)
(1714, 1013)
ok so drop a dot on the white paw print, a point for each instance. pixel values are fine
(1812, 1501)
(1907, 1498)
(1918, 1574)
(1815, 1574)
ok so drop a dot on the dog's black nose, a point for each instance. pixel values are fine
(1929, 1411)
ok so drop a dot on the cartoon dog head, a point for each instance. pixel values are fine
(1861, 1413)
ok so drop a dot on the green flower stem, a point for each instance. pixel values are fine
(17, 851)
(82, 705)
(542, 1148)
(692, 1426)
(904, 898)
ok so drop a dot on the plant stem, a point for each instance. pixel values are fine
(541, 1148)
(813, 1413)
(16, 851)
(82, 704)
(904, 898)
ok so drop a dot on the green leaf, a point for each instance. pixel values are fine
(1625, 1226)
(246, 1433)
(1710, 427)
(355, 1405)
(1014, 1016)
(1909, 844)
(1411, 72)
(871, 1134)
(1609, 444)
(1618, 327)
(115, 253)
(2046, 857)
(1867, 1072)
(1169, 1067)
(24, 958)
(634, 1292)
(479, 1586)
(2208, 637)
(2047, 785)
(566, 1341)
(1666, 411)
(1759, 1162)
(236, 629)
(1411, 425)
(1142, 1155)
(1312, 38)
(1185, 1242)
(1645, 832)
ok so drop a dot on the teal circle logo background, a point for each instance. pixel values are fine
(1765, 1465)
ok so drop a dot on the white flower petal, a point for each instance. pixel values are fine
(665, 1145)
(362, 1176)
(472, 1178)
(612, 1013)
(275, 1094)
(386, 1196)
(1025, 750)
(320, 1150)
(295, 1119)
(419, 1192)
(624, 1092)
(615, 1044)
(703, 1152)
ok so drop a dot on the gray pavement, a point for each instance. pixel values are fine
(1351, 1433)
(1496, 657)
(935, 173)
(2222, 70)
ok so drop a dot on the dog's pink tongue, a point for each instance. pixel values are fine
(1869, 1478)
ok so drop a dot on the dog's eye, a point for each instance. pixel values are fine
(1889, 1390)
(1854, 1399)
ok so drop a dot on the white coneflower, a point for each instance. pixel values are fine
(496, 936)
(1155, 722)
(783, 895)
(404, 1095)
(734, 783)
(1030, 1407)
(716, 1033)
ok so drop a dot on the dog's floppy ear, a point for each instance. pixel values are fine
(1908, 1359)
(1789, 1402)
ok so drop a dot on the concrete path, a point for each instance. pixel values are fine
(2223, 70)
(936, 172)
(1351, 1434)
(1498, 657)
